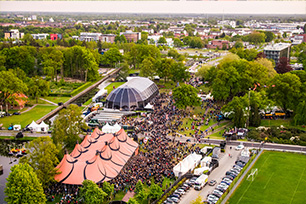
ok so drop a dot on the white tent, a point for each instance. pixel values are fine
(149, 106)
(99, 94)
(43, 127)
(205, 161)
(180, 169)
(17, 127)
(107, 128)
(116, 127)
(33, 126)
(189, 163)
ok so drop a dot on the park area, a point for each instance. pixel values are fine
(280, 179)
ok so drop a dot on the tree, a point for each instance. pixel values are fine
(23, 186)
(91, 193)
(300, 114)
(148, 68)
(164, 68)
(124, 71)
(283, 65)
(139, 186)
(268, 64)
(132, 201)
(162, 40)
(238, 44)
(186, 95)
(285, 90)
(256, 38)
(42, 157)
(155, 191)
(179, 72)
(9, 86)
(269, 36)
(198, 200)
(111, 57)
(177, 42)
(39, 87)
(68, 125)
(108, 189)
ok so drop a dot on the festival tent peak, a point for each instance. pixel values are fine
(33, 126)
(100, 157)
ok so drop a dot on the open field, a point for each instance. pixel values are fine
(26, 118)
(109, 88)
(281, 179)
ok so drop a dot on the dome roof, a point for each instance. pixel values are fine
(135, 93)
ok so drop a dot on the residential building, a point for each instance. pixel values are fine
(90, 37)
(40, 36)
(131, 36)
(13, 34)
(220, 44)
(110, 38)
(276, 51)
(56, 36)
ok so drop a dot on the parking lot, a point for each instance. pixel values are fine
(225, 164)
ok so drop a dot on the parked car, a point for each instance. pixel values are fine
(219, 188)
(175, 199)
(212, 182)
(239, 147)
(226, 182)
(217, 193)
(230, 177)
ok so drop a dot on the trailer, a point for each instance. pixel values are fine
(200, 182)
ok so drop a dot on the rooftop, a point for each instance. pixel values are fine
(277, 47)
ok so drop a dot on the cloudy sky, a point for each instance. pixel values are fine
(199, 7)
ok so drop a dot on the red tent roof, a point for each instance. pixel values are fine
(100, 157)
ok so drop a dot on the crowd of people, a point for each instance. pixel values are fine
(158, 153)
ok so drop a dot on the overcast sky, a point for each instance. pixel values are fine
(199, 7)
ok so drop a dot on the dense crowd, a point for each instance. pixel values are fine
(158, 154)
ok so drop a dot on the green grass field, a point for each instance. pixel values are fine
(281, 179)
(109, 88)
(26, 118)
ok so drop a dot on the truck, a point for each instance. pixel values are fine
(200, 182)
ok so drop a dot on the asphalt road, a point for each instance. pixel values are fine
(225, 164)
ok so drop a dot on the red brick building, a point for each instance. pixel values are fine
(220, 44)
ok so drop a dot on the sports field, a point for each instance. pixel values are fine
(281, 179)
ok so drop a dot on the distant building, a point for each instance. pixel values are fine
(131, 36)
(56, 36)
(87, 37)
(110, 38)
(298, 39)
(220, 44)
(40, 36)
(13, 34)
(276, 51)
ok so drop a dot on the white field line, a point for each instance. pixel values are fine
(245, 191)
(297, 185)
(269, 180)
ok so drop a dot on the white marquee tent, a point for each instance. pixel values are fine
(42, 127)
(111, 129)
(189, 163)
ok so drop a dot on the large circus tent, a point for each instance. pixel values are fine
(100, 157)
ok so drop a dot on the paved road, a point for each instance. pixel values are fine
(225, 164)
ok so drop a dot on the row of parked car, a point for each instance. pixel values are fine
(225, 183)
(176, 196)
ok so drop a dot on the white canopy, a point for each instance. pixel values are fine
(33, 126)
(205, 161)
(17, 127)
(189, 163)
(116, 127)
(43, 127)
(111, 129)
(100, 93)
(148, 106)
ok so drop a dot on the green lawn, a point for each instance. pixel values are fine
(109, 88)
(57, 99)
(26, 118)
(281, 179)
